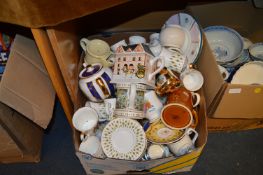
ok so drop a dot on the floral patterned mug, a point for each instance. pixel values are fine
(130, 100)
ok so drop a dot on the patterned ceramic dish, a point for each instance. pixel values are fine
(249, 73)
(256, 51)
(123, 139)
(158, 133)
(226, 43)
(189, 23)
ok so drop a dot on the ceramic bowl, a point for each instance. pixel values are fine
(226, 43)
(256, 51)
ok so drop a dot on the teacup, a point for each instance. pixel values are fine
(192, 79)
(157, 151)
(91, 145)
(154, 36)
(130, 100)
(96, 50)
(85, 120)
(185, 144)
(152, 105)
(225, 74)
(136, 39)
(155, 47)
(115, 46)
(175, 37)
(166, 82)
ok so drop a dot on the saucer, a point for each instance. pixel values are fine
(226, 44)
(158, 133)
(123, 138)
(189, 23)
(250, 73)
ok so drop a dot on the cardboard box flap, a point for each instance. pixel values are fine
(235, 105)
(21, 48)
(213, 80)
(25, 85)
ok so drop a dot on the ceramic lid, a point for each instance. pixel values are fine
(90, 70)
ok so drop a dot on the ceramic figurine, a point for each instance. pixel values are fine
(135, 64)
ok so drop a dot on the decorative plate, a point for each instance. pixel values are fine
(226, 43)
(250, 73)
(123, 138)
(160, 134)
(189, 23)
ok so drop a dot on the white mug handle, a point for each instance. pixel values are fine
(157, 70)
(197, 97)
(190, 131)
(83, 43)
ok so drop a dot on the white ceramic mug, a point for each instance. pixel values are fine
(96, 50)
(115, 46)
(136, 39)
(185, 144)
(173, 60)
(156, 151)
(192, 79)
(91, 145)
(85, 120)
(152, 106)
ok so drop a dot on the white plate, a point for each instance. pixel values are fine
(123, 139)
(226, 43)
(250, 73)
(189, 23)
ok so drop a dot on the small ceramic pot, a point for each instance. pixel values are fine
(95, 82)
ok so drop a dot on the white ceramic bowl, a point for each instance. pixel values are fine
(256, 51)
(226, 43)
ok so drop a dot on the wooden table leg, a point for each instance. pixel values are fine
(54, 72)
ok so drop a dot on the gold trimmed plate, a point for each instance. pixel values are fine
(160, 134)
(123, 138)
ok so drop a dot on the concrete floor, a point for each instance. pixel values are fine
(236, 153)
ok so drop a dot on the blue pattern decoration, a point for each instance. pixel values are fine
(93, 91)
(107, 78)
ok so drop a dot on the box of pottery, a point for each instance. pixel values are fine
(122, 138)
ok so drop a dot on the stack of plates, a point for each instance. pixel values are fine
(250, 73)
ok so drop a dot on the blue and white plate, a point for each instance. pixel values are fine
(189, 23)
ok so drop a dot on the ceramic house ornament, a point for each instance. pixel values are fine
(135, 64)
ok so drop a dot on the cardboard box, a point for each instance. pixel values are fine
(171, 164)
(25, 85)
(231, 107)
(21, 139)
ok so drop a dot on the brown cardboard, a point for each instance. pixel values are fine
(165, 165)
(231, 101)
(25, 84)
(21, 139)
